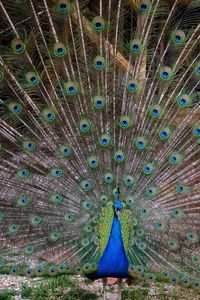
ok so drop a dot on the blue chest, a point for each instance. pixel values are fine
(114, 262)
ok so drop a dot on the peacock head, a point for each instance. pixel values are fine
(117, 206)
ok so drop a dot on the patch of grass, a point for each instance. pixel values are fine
(137, 294)
(80, 294)
(26, 291)
(51, 289)
(7, 294)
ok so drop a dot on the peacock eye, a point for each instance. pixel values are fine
(98, 24)
(59, 50)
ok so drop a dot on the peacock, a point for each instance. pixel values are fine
(100, 139)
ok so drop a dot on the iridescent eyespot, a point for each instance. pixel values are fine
(54, 236)
(119, 156)
(144, 6)
(144, 211)
(29, 146)
(140, 232)
(132, 86)
(98, 24)
(22, 201)
(177, 213)
(52, 271)
(99, 102)
(32, 79)
(13, 228)
(131, 268)
(108, 177)
(125, 122)
(135, 46)
(18, 46)
(69, 217)
(56, 172)
(174, 158)
(160, 226)
(166, 73)
(174, 279)
(88, 228)
(185, 281)
(85, 242)
(155, 111)
(62, 268)
(14, 271)
(87, 267)
(165, 274)
(139, 269)
(151, 191)
(70, 88)
(93, 161)
(99, 63)
(164, 133)
(192, 237)
(142, 246)
(86, 185)
(148, 168)
(196, 131)
(85, 125)
(15, 108)
(56, 198)
(23, 173)
(173, 245)
(104, 199)
(87, 205)
(178, 37)
(35, 220)
(196, 259)
(141, 143)
(129, 201)
(182, 189)
(39, 271)
(105, 140)
(59, 49)
(196, 284)
(128, 180)
(49, 115)
(29, 249)
(150, 277)
(63, 6)
(65, 150)
(184, 100)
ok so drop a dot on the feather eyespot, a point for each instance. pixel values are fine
(99, 102)
(18, 46)
(59, 50)
(63, 6)
(98, 24)
(99, 63)
(132, 86)
(15, 108)
(119, 156)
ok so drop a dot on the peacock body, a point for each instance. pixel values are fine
(100, 132)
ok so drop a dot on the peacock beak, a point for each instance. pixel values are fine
(117, 212)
